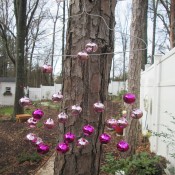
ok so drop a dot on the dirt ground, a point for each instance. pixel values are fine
(18, 156)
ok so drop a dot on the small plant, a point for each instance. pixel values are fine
(31, 157)
(139, 164)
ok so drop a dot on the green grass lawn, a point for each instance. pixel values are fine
(6, 110)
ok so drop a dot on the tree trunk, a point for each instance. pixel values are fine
(20, 43)
(172, 23)
(86, 82)
(135, 60)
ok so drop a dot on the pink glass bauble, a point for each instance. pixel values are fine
(99, 107)
(46, 68)
(62, 117)
(25, 101)
(57, 97)
(42, 148)
(122, 122)
(32, 122)
(69, 137)
(37, 114)
(91, 47)
(111, 123)
(37, 141)
(82, 142)
(31, 137)
(129, 98)
(104, 138)
(83, 55)
(88, 130)
(122, 146)
(49, 123)
(62, 147)
(76, 110)
(136, 113)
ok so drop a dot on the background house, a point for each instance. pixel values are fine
(7, 90)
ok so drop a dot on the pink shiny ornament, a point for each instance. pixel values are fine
(122, 122)
(46, 68)
(111, 123)
(62, 147)
(42, 148)
(37, 114)
(83, 55)
(82, 142)
(62, 117)
(136, 113)
(69, 137)
(57, 97)
(38, 141)
(32, 122)
(122, 146)
(91, 47)
(25, 101)
(99, 107)
(88, 130)
(76, 110)
(49, 123)
(31, 137)
(104, 138)
(129, 98)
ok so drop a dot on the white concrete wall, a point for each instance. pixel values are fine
(157, 101)
(7, 100)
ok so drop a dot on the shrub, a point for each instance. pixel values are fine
(139, 164)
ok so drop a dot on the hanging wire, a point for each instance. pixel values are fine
(84, 11)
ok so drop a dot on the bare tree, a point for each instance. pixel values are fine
(135, 61)
(85, 83)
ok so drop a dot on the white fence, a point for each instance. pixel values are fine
(158, 102)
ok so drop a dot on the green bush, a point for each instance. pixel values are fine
(31, 157)
(139, 164)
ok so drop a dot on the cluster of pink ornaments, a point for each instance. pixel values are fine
(83, 55)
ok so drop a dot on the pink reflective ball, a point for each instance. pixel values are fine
(62, 117)
(111, 123)
(31, 137)
(91, 47)
(25, 101)
(136, 113)
(104, 138)
(49, 123)
(88, 130)
(99, 107)
(32, 122)
(69, 137)
(82, 142)
(129, 98)
(83, 55)
(62, 147)
(122, 146)
(37, 114)
(57, 97)
(46, 68)
(37, 141)
(122, 122)
(42, 148)
(76, 110)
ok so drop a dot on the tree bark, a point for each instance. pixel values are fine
(172, 23)
(135, 60)
(20, 43)
(86, 82)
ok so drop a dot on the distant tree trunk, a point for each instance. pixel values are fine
(135, 60)
(172, 24)
(86, 82)
(20, 13)
(155, 6)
